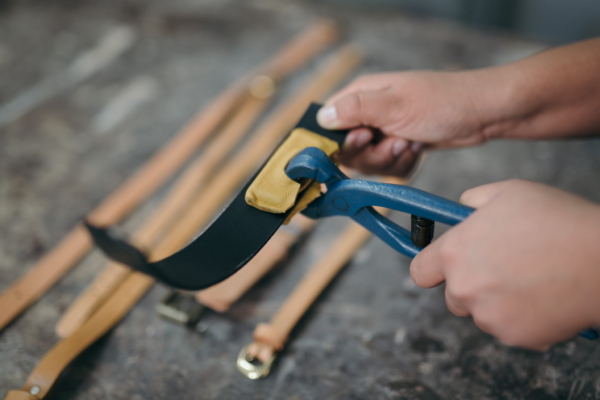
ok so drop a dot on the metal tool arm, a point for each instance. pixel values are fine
(355, 198)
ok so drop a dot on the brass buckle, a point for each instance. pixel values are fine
(180, 307)
(253, 368)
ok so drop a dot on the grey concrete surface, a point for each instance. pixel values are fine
(372, 334)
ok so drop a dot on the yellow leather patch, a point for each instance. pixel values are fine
(272, 190)
(310, 194)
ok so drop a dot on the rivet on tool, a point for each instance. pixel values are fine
(421, 230)
(34, 390)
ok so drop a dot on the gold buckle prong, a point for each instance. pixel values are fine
(253, 368)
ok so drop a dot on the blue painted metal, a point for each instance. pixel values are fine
(356, 199)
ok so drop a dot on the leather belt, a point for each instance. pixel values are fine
(155, 172)
(255, 360)
(135, 285)
(221, 296)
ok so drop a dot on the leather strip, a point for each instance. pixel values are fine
(155, 172)
(220, 297)
(210, 258)
(182, 193)
(133, 288)
(271, 338)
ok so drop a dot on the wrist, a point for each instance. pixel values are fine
(496, 95)
(595, 265)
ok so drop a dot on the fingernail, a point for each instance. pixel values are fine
(363, 138)
(327, 117)
(416, 147)
(349, 141)
(399, 146)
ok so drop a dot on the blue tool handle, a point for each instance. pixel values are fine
(400, 198)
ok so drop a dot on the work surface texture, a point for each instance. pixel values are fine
(372, 334)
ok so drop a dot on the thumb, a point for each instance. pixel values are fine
(480, 195)
(361, 108)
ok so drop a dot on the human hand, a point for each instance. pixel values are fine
(525, 264)
(391, 116)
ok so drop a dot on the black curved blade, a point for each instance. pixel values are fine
(225, 247)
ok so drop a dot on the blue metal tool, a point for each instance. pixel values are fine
(356, 199)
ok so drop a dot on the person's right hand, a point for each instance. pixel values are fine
(525, 265)
(392, 116)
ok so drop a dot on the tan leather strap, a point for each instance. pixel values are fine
(155, 172)
(179, 196)
(135, 285)
(271, 338)
(304, 48)
(19, 395)
(221, 296)
(77, 242)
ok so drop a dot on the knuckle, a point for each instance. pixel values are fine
(460, 291)
(467, 195)
(515, 184)
(349, 106)
(513, 337)
(414, 271)
(362, 79)
(450, 252)
(486, 323)
(383, 161)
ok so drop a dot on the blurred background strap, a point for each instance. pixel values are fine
(156, 170)
(260, 88)
(44, 376)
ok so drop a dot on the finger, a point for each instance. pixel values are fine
(380, 156)
(377, 158)
(365, 83)
(405, 164)
(426, 268)
(480, 195)
(357, 139)
(375, 109)
(455, 306)
(355, 142)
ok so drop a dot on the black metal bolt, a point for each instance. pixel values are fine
(421, 230)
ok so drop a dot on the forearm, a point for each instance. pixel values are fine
(549, 95)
